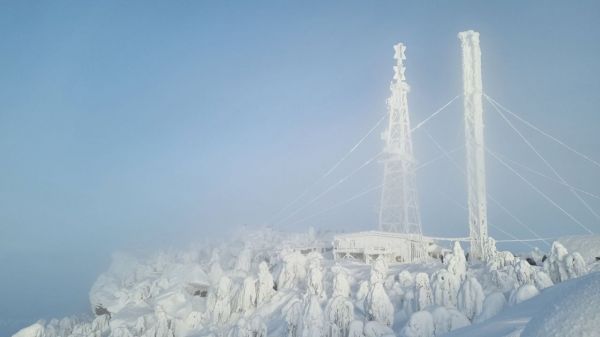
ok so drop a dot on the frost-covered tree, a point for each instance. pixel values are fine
(561, 265)
(313, 323)
(356, 329)
(575, 265)
(265, 285)
(406, 279)
(423, 293)
(378, 306)
(376, 329)
(315, 276)
(470, 298)
(420, 324)
(340, 310)
(363, 291)
(523, 293)
(492, 305)
(293, 269)
(445, 288)
(457, 262)
(164, 326)
(448, 319)
(292, 314)
(244, 260)
(541, 280)
(257, 327)
(379, 270)
(221, 311)
(524, 272)
(246, 298)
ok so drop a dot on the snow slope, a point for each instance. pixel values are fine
(568, 309)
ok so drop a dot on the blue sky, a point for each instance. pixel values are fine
(127, 125)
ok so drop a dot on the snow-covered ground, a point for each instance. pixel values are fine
(267, 283)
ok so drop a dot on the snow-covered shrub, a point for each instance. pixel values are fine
(448, 319)
(423, 293)
(246, 298)
(420, 324)
(313, 323)
(378, 306)
(470, 298)
(489, 250)
(492, 305)
(215, 272)
(292, 313)
(523, 293)
(377, 329)
(457, 262)
(341, 285)
(264, 287)
(164, 326)
(445, 288)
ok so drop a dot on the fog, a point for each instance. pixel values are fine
(136, 125)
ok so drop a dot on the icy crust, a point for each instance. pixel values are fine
(267, 283)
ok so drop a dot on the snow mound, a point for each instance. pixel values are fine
(586, 245)
(575, 314)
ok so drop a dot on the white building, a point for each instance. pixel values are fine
(394, 247)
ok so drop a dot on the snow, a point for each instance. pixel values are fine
(228, 290)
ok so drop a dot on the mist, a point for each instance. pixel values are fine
(135, 126)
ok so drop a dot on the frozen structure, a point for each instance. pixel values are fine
(368, 246)
(473, 105)
(399, 210)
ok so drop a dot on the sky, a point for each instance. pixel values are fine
(144, 124)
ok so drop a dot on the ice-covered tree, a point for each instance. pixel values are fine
(244, 260)
(457, 262)
(293, 269)
(221, 311)
(164, 326)
(257, 327)
(445, 288)
(377, 329)
(313, 322)
(246, 298)
(356, 329)
(379, 270)
(315, 276)
(340, 310)
(292, 314)
(363, 291)
(420, 324)
(541, 280)
(265, 284)
(406, 279)
(423, 293)
(524, 272)
(378, 306)
(492, 305)
(448, 319)
(575, 265)
(523, 293)
(470, 298)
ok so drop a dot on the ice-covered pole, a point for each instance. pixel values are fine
(473, 106)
